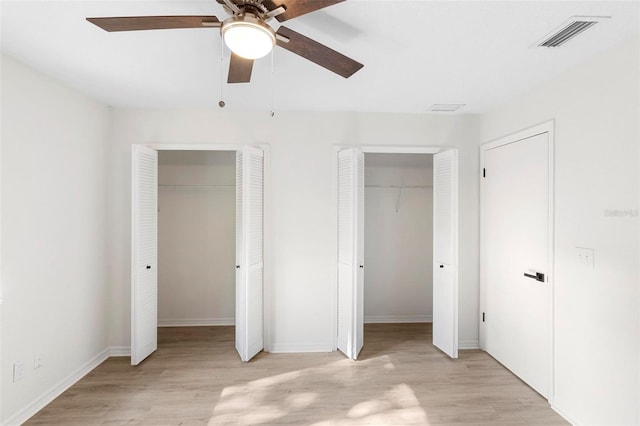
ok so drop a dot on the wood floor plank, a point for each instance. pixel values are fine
(196, 378)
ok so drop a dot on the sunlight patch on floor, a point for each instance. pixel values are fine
(400, 397)
(397, 406)
(289, 398)
(301, 400)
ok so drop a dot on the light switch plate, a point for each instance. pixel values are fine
(586, 257)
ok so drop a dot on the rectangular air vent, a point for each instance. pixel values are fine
(568, 30)
(445, 107)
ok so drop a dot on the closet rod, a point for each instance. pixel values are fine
(398, 186)
(178, 187)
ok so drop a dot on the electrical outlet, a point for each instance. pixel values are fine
(18, 371)
(37, 362)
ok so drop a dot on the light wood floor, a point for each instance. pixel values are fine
(196, 378)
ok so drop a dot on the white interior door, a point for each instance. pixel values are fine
(351, 251)
(249, 251)
(515, 229)
(445, 252)
(144, 253)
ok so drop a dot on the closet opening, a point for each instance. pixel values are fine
(397, 219)
(398, 243)
(196, 248)
(398, 238)
(212, 243)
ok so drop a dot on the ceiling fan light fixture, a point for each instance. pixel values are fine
(248, 37)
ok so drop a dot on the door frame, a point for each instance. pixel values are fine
(366, 149)
(267, 274)
(545, 127)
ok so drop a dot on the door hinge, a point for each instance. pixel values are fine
(483, 317)
(484, 172)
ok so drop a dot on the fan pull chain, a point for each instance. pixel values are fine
(273, 90)
(221, 103)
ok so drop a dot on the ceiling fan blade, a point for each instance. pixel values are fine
(316, 52)
(297, 7)
(239, 69)
(134, 23)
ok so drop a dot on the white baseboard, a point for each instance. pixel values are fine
(119, 351)
(469, 344)
(52, 393)
(287, 348)
(392, 319)
(195, 322)
(564, 416)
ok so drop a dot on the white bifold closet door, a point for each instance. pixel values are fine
(144, 253)
(350, 251)
(249, 251)
(445, 252)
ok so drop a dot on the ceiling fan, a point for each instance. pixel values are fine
(247, 33)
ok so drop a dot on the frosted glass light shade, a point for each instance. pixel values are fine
(248, 38)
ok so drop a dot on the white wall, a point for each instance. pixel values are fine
(196, 238)
(596, 111)
(54, 221)
(300, 225)
(54, 217)
(398, 251)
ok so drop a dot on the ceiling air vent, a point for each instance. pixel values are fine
(445, 107)
(569, 29)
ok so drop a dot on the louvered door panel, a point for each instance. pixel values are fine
(445, 252)
(255, 266)
(241, 263)
(144, 243)
(359, 254)
(250, 252)
(350, 251)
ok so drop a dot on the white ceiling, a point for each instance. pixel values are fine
(415, 53)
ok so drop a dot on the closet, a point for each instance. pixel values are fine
(387, 239)
(196, 238)
(398, 238)
(196, 255)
